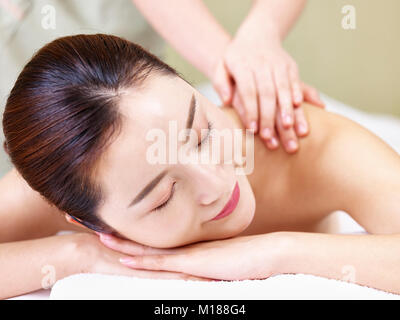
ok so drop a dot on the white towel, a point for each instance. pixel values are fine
(288, 286)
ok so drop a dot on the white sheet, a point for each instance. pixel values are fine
(281, 286)
(298, 286)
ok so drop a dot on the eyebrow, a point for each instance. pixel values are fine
(153, 183)
(190, 118)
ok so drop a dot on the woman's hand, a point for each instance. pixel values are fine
(250, 257)
(261, 81)
(97, 258)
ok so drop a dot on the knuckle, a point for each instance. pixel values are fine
(142, 250)
(159, 260)
(267, 92)
(249, 92)
(282, 84)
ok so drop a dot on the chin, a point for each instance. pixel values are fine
(247, 205)
(244, 218)
(241, 218)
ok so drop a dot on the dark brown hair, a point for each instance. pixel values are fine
(62, 112)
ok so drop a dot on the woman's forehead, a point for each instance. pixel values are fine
(162, 98)
(143, 117)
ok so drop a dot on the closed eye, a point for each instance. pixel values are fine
(165, 203)
(205, 139)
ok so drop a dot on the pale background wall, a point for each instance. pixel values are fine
(359, 67)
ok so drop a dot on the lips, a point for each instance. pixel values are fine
(231, 204)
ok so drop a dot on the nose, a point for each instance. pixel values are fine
(210, 182)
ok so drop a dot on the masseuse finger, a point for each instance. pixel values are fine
(267, 96)
(283, 89)
(294, 77)
(287, 136)
(131, 247)
(238, 105)
(312, 95)
(300, 119)
(245, 84)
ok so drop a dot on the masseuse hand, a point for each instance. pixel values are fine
(255, 64)
(240, 258)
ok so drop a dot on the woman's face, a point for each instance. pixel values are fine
(170, 204)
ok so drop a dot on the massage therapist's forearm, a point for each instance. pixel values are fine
(190, 28)
(371, 260)
(30, 265)
(277, 16)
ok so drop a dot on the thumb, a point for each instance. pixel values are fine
(222, 83)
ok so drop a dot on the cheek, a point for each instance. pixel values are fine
(165, 229)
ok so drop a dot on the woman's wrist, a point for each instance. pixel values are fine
(258, 23)
(276, 247)
(80, 252)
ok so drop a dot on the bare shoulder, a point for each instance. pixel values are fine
(361, 174)
(24, 213)
(340, 165)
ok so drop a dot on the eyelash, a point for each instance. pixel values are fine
(204, 140)
(163, 205)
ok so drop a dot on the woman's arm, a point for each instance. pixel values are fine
(277, 15)
(190, 28)
(24, 214)
(30, 265)
(371, 260)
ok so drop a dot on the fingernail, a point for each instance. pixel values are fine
(253, 126)
(266, 133)
(302, 128)
(287, 119)
(292, 145)
(273, 142)
(127, 260)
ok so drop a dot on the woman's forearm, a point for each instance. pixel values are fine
(277, 16)
(371, 260)
(30, 265)
(190, 28)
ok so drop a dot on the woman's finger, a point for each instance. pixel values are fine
(295, 83)
(237, 103)
(273, 142)
(267, 98)
(155, 262)
(130, 247)
(283, 90)
(301, 125)
(222, 83)
(246, 87)
(287, 136)
(165, 275)
(311, 95)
